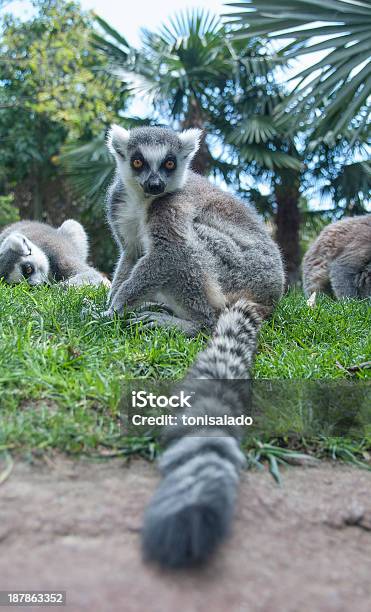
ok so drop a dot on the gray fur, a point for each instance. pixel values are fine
(192, 510)
(75, 232)
(209, 258)
(55, 254)
(339, 260)
(191, 247)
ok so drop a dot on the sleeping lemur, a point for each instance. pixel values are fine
(339, 260)
(38, 253)
(210, 259)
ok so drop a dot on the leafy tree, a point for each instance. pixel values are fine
(8, 212)
(52, 91)
(193, 74)
(328, 111)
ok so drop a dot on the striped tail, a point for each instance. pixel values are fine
(192, 509)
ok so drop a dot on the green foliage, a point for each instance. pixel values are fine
(49, 69)
(185, 62)
(181, 69)
(53, 91)
(181, 64)
(113, 45)
(8, 212)
(90, 168)
(342, 174)
(338, 84)
(352, 185)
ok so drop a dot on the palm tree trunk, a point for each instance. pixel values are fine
(202, 161)
(288, 222)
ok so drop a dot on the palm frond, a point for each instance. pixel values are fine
(340, 29)
(111, 43)
(352, 186)
(255, 129)
(268, 158)
(89, 169)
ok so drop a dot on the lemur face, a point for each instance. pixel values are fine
(153, 160)
(29, 262)
(31, 269)
(154, 168)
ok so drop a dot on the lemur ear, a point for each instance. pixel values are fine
(117, 140)
(190, 140)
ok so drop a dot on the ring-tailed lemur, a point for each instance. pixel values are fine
(339, 260)
(210, 259)
(38, 252)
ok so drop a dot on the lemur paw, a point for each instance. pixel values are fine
(150, 319)
(108, 314)
(146, 307)
(17, 242)
(113, 311)
(140, 314)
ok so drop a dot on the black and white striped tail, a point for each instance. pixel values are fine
(192, 508)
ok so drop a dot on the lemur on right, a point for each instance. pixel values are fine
(339, 260)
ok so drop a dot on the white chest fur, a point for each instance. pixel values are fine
(131, 222)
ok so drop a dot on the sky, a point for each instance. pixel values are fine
(129, 16)
(151, 14)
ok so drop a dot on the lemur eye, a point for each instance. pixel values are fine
(137, 163)
(169, 164)
(27, 269)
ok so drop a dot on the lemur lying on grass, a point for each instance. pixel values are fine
(38, 253)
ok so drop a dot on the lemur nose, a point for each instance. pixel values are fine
(154, 186)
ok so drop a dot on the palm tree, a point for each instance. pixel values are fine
(179, 69)
(339, 84)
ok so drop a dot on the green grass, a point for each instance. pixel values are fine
(62, 370)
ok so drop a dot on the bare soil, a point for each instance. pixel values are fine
(75, 526)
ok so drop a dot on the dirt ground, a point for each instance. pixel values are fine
(304, 546)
